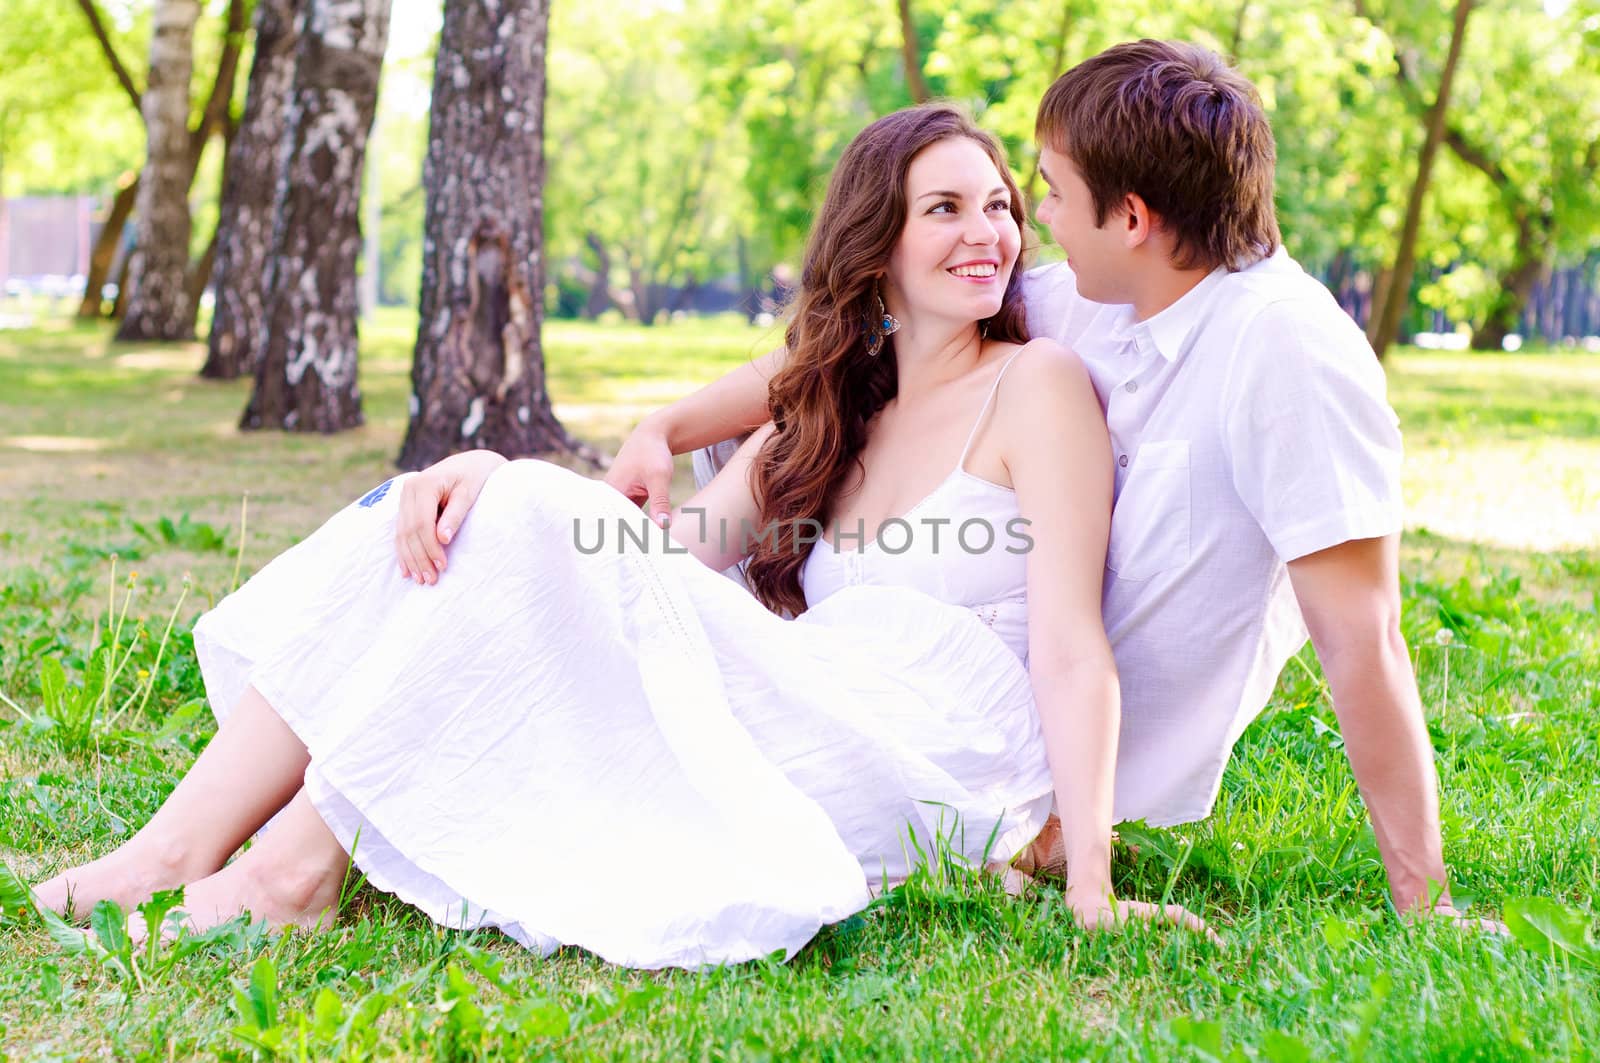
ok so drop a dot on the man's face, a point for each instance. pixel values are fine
(1099, 256)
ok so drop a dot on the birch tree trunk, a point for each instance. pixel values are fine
(306, 379)
(244, 226)
(478, 371)
(158, 297)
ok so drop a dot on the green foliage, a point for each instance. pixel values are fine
(66, 126)
(692, 141)
(185, 534)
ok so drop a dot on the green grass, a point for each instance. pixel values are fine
(109, 450)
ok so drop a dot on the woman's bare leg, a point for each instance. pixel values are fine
(290, 877)
(251, 769)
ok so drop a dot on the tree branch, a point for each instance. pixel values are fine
(1056, 64)
(92, 13)
(1465, 150)
(915, 83)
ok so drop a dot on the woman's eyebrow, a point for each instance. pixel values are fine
(998, 190)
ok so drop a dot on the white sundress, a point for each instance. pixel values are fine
(624, 750)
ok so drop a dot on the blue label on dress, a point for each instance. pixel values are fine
(374, 496)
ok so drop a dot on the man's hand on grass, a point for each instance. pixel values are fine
(1100, 909)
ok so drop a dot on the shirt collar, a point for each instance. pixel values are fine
(1167, 333)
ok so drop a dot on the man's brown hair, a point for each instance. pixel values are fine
(1174, 124)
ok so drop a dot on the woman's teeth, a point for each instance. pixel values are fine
(986, 270)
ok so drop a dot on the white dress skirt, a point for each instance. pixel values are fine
(621, 749)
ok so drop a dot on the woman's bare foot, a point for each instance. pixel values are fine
(128, 875)
(304, 895)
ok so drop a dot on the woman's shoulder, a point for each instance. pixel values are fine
(1043, 372)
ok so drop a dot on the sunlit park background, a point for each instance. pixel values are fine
(241, 188)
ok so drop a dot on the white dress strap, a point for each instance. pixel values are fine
(993, 388)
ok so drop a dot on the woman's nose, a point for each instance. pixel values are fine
(981, 230)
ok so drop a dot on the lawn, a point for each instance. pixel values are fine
(129, 502)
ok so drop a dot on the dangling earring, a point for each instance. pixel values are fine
(885, 325)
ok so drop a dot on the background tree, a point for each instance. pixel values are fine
(478, 371)
(213, 118)
(1525, 195)
(158, 298)
(307, 379)
(688, 142)
(637, 156)
(1389, 302)
(244, 224)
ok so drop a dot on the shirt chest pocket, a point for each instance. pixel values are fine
(1150, 523)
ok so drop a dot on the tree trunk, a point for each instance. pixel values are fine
(1516, 285)
(158, 297)
(105, 249)
(200, 276)
(1390, 305)
(306, 379)
(600, 287)
(214, 115)
(478, 375)
(120, 303)
(916, 84)
(244, 224)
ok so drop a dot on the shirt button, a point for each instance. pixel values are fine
(1123, 461)
(1133, 386)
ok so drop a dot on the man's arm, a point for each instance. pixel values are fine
(1350, 597)
(726, 408)
(729, 406)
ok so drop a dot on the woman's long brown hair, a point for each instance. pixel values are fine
(830, 388)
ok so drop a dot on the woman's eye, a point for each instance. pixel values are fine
(1000, 204)
(943, 208)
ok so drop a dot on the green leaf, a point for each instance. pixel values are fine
(326, 1014)
(543, 1018)
(1336, 933)
(1547, 925)
(68, 938)
(110, 927)
(1202, 1035)
(263, 994)
(489, 966)
(155, 912)
(1279, 1047)
(16, 898)
(53, 687)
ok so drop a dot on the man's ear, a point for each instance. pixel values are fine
(1137, 221)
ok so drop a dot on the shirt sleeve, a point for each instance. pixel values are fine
(1313, 443)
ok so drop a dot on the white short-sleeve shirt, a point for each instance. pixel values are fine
(1250, 427)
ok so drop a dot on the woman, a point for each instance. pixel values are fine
(513, 745)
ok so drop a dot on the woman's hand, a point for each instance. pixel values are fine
(1100, 909)
(432, 505)
(642, 470)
